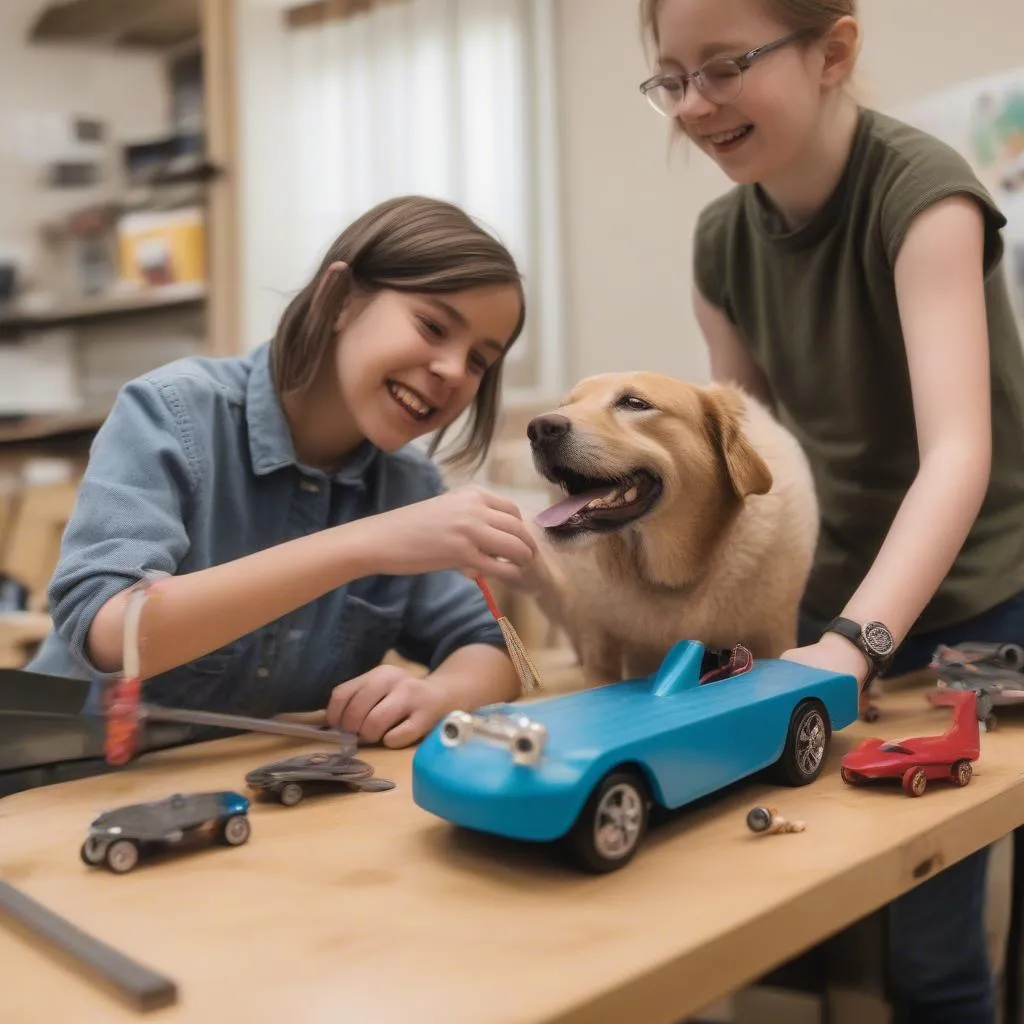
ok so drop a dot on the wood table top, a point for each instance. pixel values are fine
(359, 905)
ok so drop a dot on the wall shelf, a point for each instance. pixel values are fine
(41, 428)
(145, 300)
(148, 24)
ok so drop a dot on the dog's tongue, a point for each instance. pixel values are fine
(568, 507)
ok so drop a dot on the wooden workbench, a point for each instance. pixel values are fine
(360, 906)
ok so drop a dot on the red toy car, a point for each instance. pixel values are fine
(920, 758)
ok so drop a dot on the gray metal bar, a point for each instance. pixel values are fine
(190, 716)
(144, 988)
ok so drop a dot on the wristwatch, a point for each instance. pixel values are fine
(873, 640)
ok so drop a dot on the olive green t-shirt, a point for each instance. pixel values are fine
(817, 307)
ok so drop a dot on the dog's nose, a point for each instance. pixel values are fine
(547, 428)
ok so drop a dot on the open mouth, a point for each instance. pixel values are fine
(598, 504)
(412, 402)
(725, 142)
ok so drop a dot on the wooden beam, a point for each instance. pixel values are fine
(320, 11)
(220, 73)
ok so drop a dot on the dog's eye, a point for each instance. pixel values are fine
(633, 402)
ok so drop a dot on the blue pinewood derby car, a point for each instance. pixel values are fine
(585, 768)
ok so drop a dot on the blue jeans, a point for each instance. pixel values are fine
(938, 957)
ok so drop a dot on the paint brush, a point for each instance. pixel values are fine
(529, 677)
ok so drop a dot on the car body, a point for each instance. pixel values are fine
(117, 838)
(287, 779)
(994, 671)
(557, 767)
(915, 761)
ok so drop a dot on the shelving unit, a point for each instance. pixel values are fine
(191, 36)
(113, 333)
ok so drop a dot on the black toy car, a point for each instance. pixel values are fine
(285, 779)
(117, 838)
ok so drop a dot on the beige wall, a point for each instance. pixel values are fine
(630, 208)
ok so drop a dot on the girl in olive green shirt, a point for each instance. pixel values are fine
(853, 281)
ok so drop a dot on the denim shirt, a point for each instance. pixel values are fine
(194, 467)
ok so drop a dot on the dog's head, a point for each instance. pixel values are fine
(634, 450)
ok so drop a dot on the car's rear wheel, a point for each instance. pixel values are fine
(807, 745)
(290, 794)
(234, 831)
(122, 856)
(851, 778)
(612, 824)
(962, 772)
(1012, 656)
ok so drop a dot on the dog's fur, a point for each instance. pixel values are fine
(723, 554)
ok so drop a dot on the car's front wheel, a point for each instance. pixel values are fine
(93, 852)
(807, 744)
(612, 824)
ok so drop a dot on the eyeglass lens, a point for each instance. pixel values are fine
(718, 80)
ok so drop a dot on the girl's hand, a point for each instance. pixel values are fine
(387, 704)
(833, 653)
(470, 530)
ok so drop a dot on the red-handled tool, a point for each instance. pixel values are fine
(125, 711)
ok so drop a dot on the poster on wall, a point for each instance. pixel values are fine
(984, 121)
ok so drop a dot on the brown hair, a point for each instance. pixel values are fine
(812, 17)
(406, 244)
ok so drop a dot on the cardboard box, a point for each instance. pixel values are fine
(159, 247)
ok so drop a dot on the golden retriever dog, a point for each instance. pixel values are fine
(689, 513)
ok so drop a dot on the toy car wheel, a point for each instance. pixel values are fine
(92, 852)
(849, 777)
(122, 856)
(290, 794)
(234, 831)
(962, 772)
(1012, 656)
(915, 781)
(807, 743)
(612, 824)
(985, 703)
(871, 713)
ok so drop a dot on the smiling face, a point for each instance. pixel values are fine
(409, 364)
(771, 124)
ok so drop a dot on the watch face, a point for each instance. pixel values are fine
(878, 639)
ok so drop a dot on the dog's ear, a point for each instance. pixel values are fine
(749, 473)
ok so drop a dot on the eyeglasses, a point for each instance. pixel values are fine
(720, 79)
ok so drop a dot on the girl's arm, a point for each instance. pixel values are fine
(730, 358)
(941, 294)
(195, 613)
(190, 615)
(940, 289)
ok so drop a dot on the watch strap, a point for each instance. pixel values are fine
(873, 640)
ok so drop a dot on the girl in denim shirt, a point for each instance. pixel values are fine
(301, 536)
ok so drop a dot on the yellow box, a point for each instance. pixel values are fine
(159, 247)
